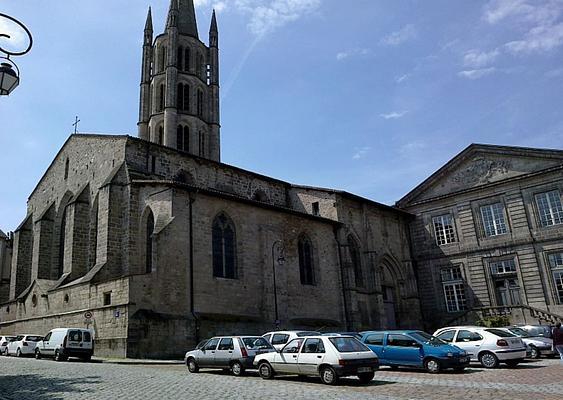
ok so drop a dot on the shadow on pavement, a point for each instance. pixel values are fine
(36, 387)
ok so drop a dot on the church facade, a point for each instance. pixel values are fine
(156, 244)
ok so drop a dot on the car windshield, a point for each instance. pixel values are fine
(34, 338)
(348, 344)
(256, 343)
(519, 332)
(307, 333)
(18, 338)
(426, 338)
(500, 333)
(201, 344)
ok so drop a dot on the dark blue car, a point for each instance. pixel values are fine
(415, 349)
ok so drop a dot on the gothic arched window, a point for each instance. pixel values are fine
(355, 259)
(180, 97)
(305, 249)
(183, 138)
(198, 66)
(160, 98)
(186, 106)
(186, 138)
(180, 58)
(201, 144)
(187, 59)
(149, 242)
(224, 248)
(62, 240)
(199, 102)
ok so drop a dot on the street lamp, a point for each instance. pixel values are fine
(277, 245)
(9, 71)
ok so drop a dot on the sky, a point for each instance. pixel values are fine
(367, 96)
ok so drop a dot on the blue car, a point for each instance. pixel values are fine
(415, 349)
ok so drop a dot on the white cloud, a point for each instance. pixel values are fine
(476, 73)
(394, 115)
(396, 38)
(478, 59)
(18, 39)
(361, 152)
(542, 38)
(353, 52)
(402, 78)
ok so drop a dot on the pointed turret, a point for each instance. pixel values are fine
(148, 23)
(187, 24)
(172, 20)
(213, 27)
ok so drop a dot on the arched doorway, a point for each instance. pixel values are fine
(389, 293)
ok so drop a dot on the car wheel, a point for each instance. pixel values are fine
(237, 369)
(534, 352)
(488, 360)
(512, 363)
(366, 377)
(192, 366)
(265, 371)
(328, 376)
(18, 353)
(432, 365)
(59, 356)
(37, 354)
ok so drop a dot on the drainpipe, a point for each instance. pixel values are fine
(191, 244)
(338, 245)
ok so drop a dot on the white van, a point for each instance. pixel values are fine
(62, 343)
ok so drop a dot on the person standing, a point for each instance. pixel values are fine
(558, 340)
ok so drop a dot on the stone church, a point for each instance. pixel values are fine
(165, 245)
(161, 245)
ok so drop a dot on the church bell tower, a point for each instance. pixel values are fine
(179, 105)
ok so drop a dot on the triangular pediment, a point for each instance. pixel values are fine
(480, 165)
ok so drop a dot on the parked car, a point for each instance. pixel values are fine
(329, 357)
(62, 343)
(23, 345)
(415, 349)
(4, 340)
(537, 330)
(227, 352)
(353, 334)
(537, 346)
(279, 339)
(489, 346)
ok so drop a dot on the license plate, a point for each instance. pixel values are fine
(364, 369)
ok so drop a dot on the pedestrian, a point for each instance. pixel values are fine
(558, 340)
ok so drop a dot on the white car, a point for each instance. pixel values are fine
(537, 346)
(329, 357)
(489, 346)
(4, 340)
(23, 345)
(278, 339)
(62, 343)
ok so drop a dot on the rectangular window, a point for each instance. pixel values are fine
(549, 208)
(503, 267)
(493, 219)
(316, 208)
(444, 229)
(454, 289)
(107, 298)
(556, 265)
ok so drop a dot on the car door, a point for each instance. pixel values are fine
(286, 362)
(311, 356)
(45, 346)
(401, 349)
(74, 339)
(224, 352)
(470, 342)
(375, 342)
(206, 357)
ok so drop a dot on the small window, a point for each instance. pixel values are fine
(87, 336)
(75, 336)
(280, 338)
(348, 345)
(153, 164)
(503, 267)
(48, 337)
(256, 343)
(211, 345)
(107, 298)
(67, 166)
(444, 229)
(226, 344)
(467, 336)
(316, 208)
(66, 298)
(34, 300)
(293, 346)
(305, 250)
(376, 339)
(313, 346)
(447, 336)
(401, 341)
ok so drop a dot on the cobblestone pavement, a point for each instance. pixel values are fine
(29, 379)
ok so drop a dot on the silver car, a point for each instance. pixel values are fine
(537, 345)
(235, 353)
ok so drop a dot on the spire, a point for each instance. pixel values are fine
(213, 28)
(148, 24)
(187, 24)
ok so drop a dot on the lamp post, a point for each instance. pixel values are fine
(9, 71)
(277, 245)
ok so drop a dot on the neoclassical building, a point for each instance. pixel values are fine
(162, 244)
